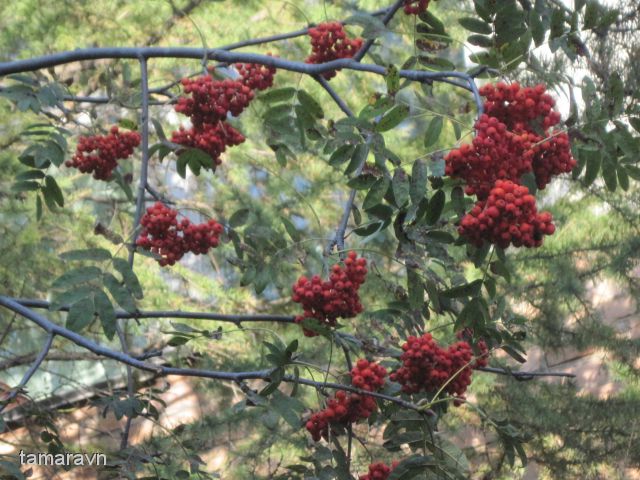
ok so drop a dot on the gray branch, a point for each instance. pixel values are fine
(29, 373)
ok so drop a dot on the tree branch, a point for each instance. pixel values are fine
(219, 317)
(126, 359)
(524, 376)
(29, 373)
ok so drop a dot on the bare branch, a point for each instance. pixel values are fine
(218, 317)
(524, 376)
(29, 373)
(81, 341)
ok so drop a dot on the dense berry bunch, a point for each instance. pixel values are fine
(213, 139)
(495, 153)
(100, 153)
(378, 471)
(342, 410)
(552, 157)
(212, 100)
(329, 42)
(170, 239)
(256, 77)
(427, 367)
(480, 346)
(332, 299)
(368, 375)
(528, 108)
(415, 7)
(514, 137)
(346, 408)
(508, 216)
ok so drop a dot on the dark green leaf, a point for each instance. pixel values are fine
(80, 314)
(95, 254)
(392, 118)
(239, 217)
(107, 314)
(51, 189)
(76, 276)
(310, 104)
(475, 25)
(433, 131)
(436, 205)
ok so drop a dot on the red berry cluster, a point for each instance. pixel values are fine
(513, 137)
(415, 7)
(169, 238)
(481, 348)
(379, 471)
(495, 153)
(519, 107)
(347, 408)
(213, 139)
(368, 375)
(256, 77)
(508, 216)
(209, 104)
(428, 367)
(332, 299)
(212, 100)
(329, 42)
(108, 150)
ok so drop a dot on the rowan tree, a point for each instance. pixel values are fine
(352, 199)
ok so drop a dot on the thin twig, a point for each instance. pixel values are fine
(523, 376)
(126, 359)
(141, 314)
(29, 373)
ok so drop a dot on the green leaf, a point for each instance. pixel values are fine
(52, 190)
(376, 193)
(465, 290)
(25, 186)
(594, 161)
(623, 178)
(239, 217)
(537, 27)
(291, 229)
(341, 155)
(159, 130)
(119, 293)
(392, 79)
(392, 118)
(410, 467)
(435, 207)
(358, 158)
(513, 353)
(400, 187)
(128, 124)
(80, 314)
(129, 277)
(480, 41)
(76, 276)
(475, 25)
(95, 254)
(38, 208)
(609, 175)
(310, 104)
(433, 131)
(289, 408)
(418, 185)
(415, 289)
(591, 14)
(106, 312)
(278, 94)
(30, 175)
(362, 182)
